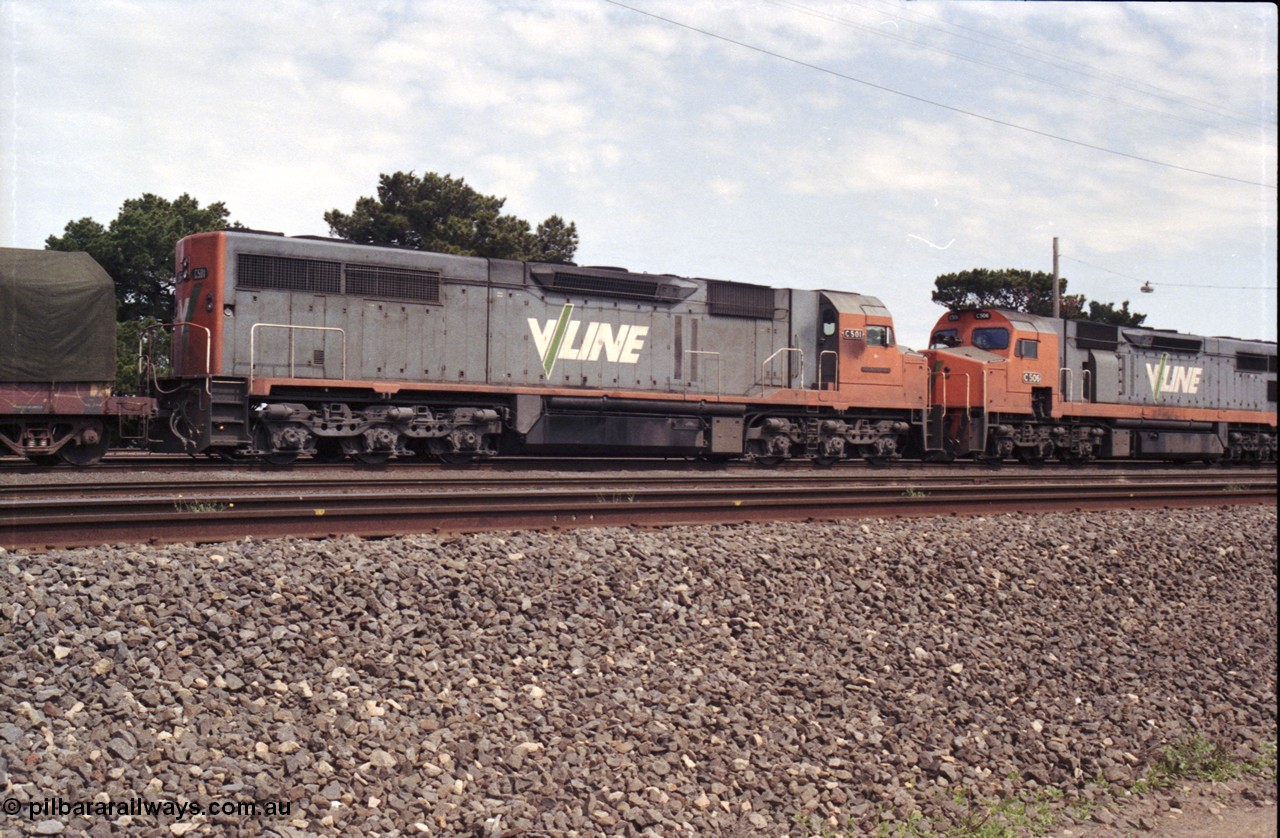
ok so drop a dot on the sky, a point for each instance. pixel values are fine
(854, 145)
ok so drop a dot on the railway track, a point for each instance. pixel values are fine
(85, 513)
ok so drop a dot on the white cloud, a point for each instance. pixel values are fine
(673, 150)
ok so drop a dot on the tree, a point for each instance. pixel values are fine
(1023, 290)
(1108, 313)
(444, 214)
(1011, 288)
(555, 241)
(136, 249)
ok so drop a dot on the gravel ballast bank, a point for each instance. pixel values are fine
(695, 680)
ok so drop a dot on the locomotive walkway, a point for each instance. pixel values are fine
(200, 507)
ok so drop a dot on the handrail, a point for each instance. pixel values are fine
(821, 355)
(253, 334)
(715, 355)
(145, 337)
(1085, 377)
(769, 360)
(967, 393)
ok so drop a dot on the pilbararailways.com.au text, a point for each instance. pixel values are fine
(61, 807)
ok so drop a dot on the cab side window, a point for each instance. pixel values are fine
(1028, 348)
(879, 336)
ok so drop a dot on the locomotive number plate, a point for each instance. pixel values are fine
(853, 334)
(1031, 378)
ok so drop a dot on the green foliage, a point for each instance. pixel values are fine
(444, 214)
(1198, 758)
(1038, 811)
(1108, 313)
(1011, 288)
(136, 249)
(1022, 290)
(128, 334)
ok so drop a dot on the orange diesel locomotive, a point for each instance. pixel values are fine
(1013, 385)
(289, 347)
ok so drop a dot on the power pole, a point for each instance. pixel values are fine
(1057, 292)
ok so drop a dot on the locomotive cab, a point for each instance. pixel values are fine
(858, 353)
(990, 367)
(1010, 358)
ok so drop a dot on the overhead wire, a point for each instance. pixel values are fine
(1073, 66)
(991, 119)
(845, 22)
(1158, 283)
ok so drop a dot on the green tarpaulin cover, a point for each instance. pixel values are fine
(57, 317)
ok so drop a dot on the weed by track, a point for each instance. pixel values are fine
(1039, 811)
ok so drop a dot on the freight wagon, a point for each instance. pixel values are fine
(58, 360)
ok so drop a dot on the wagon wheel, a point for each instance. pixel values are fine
(86, 454)
(83, 455)
(44, 460)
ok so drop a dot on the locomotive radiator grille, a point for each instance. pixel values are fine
(397, 283)
(281, 273)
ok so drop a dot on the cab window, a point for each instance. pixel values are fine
(991, 339)
(879, 336)
(944, 339)
(1028, 349)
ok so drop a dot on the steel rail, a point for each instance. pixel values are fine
(376, 511)
(202, 484)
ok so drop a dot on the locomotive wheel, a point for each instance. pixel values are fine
(769, 462)
(457, 458)
(371, 458)
(44, 460)
(1029, 458)
(328, 451)
(272, 457)
(825, 462)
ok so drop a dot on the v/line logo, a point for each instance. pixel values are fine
(1173, 378)
(557, 339)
